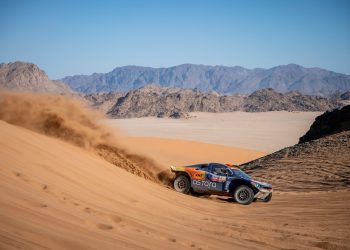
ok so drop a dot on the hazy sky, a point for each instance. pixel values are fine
(82, 37)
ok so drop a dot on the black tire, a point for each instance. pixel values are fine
(182, 184)
(268, 198)
(244, 195)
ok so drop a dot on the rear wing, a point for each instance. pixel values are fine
(177, 169)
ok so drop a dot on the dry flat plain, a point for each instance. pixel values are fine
(55, 195)
(265, 132)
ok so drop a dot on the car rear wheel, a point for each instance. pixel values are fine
(182, 184)
(244, 195)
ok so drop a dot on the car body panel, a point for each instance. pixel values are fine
(216, 178)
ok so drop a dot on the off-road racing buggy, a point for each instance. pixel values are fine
(220, 179)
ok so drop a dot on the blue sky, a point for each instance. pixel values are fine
(82, 37)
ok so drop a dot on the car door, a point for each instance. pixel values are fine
(217, 177)
(199, 181)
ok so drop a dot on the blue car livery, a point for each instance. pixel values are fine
(220, 179)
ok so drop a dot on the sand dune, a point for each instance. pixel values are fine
(66, 184)
(56, 195)
(70, 121)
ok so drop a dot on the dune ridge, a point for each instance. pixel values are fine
(54, 195)
(69, 120)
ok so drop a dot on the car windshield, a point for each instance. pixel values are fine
(241, 174)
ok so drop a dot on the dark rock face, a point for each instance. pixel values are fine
(20, 76)
(153, 100)
(224, 80)
(321, 164)
(328, 123)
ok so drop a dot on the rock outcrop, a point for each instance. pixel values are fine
(153, 100)
(328, 123)
(27, 77)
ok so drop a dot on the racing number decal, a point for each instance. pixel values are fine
(218, 178)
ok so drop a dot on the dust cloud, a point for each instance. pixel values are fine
(69, 120)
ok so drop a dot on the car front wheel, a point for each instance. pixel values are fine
(244, 195)
(182, 184)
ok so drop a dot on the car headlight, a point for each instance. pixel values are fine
(257, 185)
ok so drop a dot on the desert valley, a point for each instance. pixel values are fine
(170, 125)
(74, 177)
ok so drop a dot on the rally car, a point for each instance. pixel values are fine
(220, 179)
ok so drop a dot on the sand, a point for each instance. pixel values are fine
(66, 183)
(265, 132)
(168, 152)
(59, 196)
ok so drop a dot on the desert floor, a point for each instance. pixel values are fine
(58, 196)
(264, 132)
(55, 195)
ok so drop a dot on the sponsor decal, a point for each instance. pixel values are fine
(198, 176)
(218, 178)
(204, 183)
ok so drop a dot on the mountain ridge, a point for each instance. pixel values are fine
(223, 79)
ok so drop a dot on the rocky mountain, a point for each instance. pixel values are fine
(328, 123)
(20, 76)
(224, 80)
(153, 100)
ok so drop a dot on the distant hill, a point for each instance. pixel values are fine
(153, 100)
(20, 76)
(328, 123)
(224, 80)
